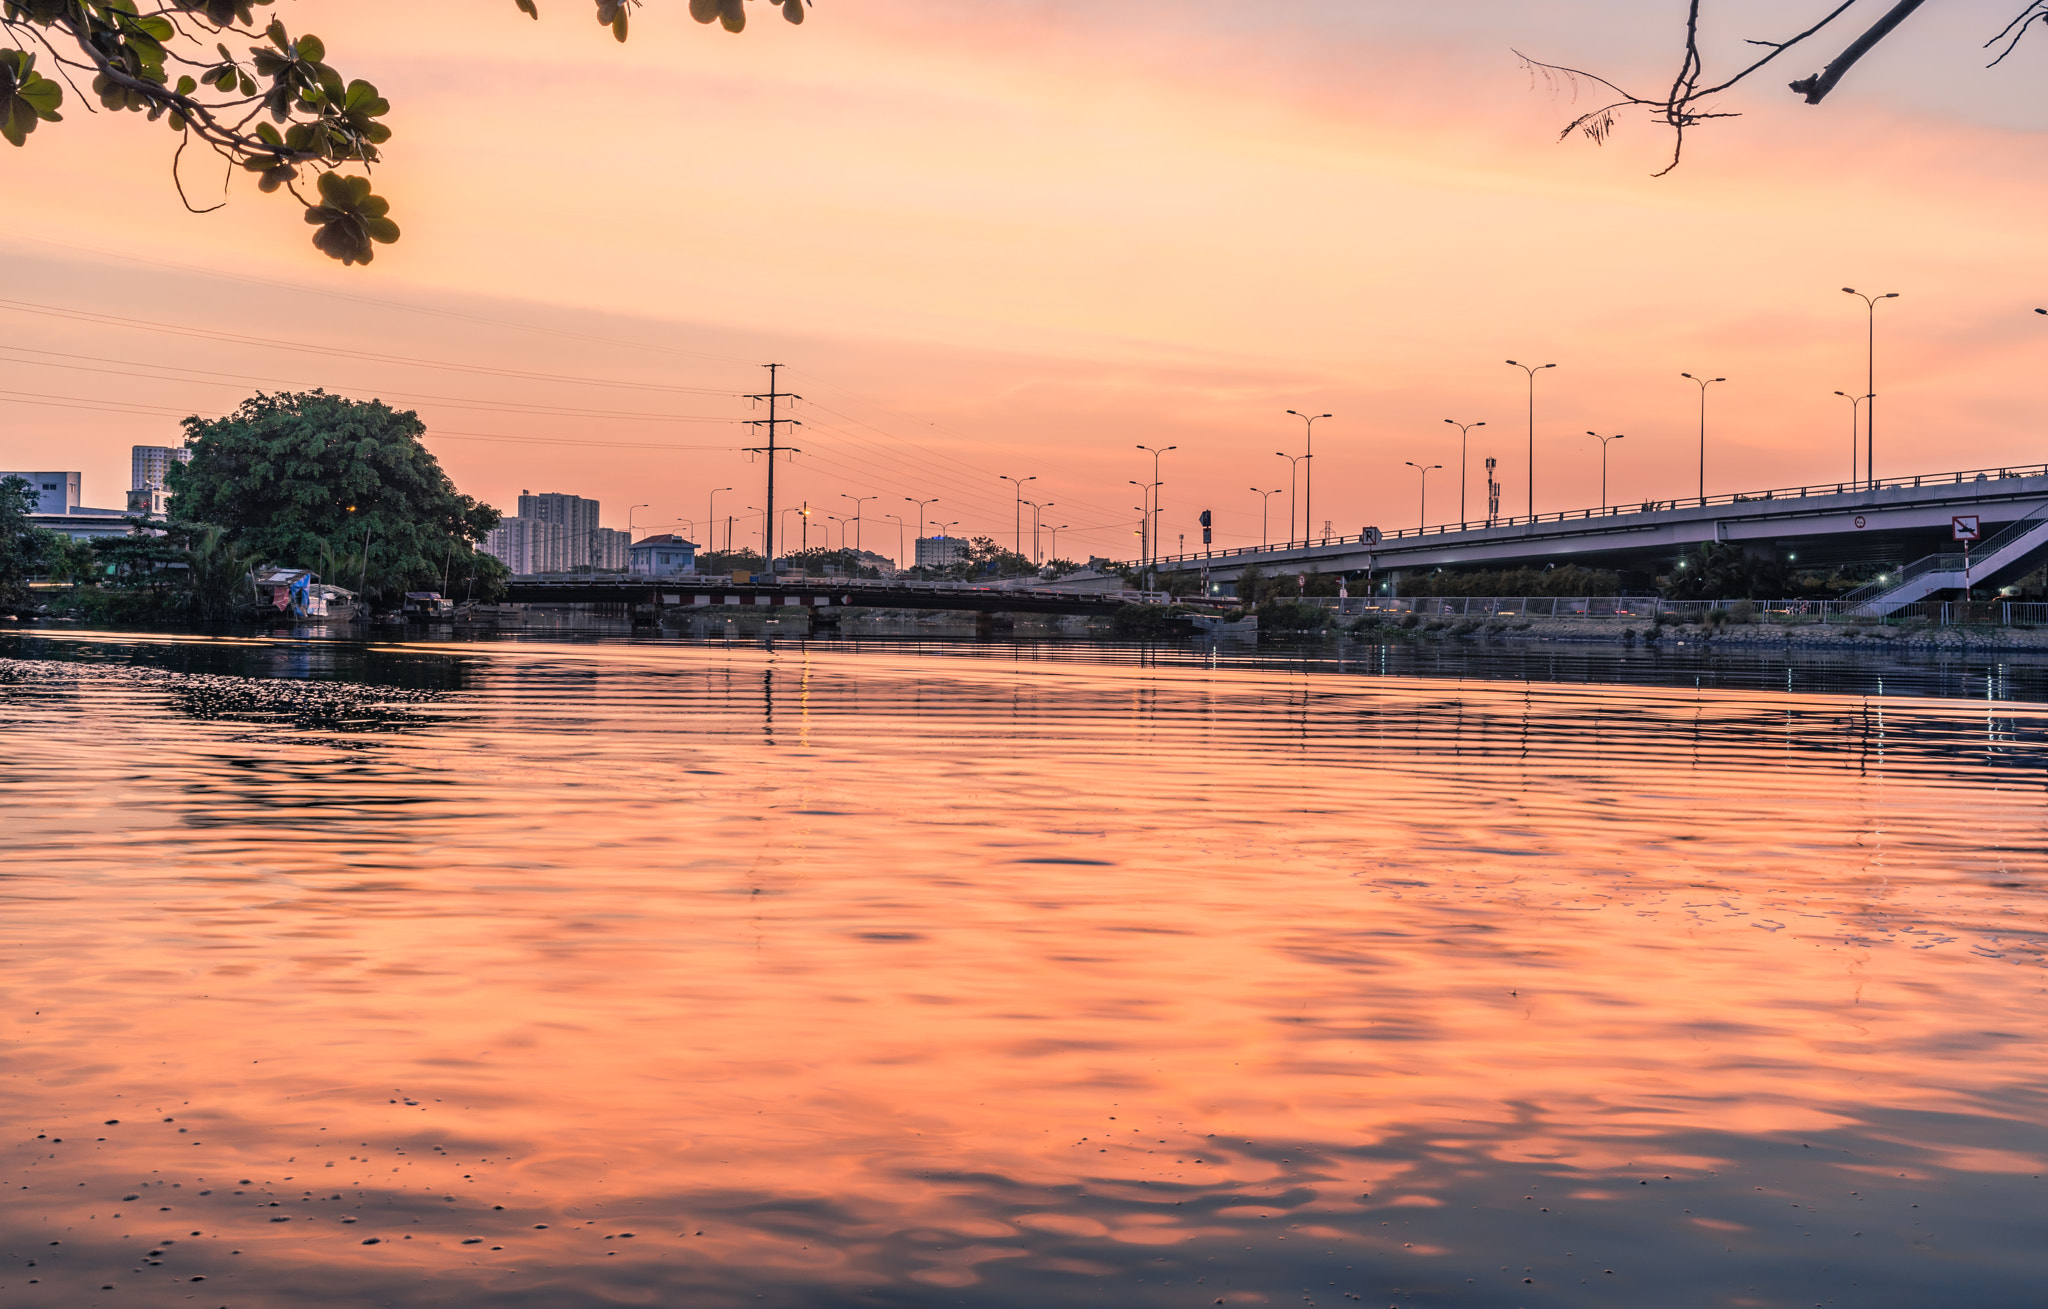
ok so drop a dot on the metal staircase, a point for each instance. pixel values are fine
(2008, 553)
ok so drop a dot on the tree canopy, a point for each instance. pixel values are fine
(25, 549)
(276, 109)
(343, 487)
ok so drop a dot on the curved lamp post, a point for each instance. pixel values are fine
(1425, 470)
(1855, 431)
(1265, 498)
(1153, 537)
(1870, 381)
(1464, 430)
(1604, 442)
(711, 515)
(857, 501)
(1531, 370)
(1293, 467)
(629, 518)
(1704, 383)
(1308, 475)
(1019, 542)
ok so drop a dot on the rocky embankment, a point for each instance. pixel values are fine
(1740, 636)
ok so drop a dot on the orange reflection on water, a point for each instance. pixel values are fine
(857, 974)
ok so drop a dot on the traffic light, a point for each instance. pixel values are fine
(1205, 527)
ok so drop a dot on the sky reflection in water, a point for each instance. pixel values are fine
(835, 976)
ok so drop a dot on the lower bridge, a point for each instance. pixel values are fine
(650, 596)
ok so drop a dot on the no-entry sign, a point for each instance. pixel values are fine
(1965, 526)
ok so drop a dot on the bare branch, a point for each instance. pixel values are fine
(2017, 28)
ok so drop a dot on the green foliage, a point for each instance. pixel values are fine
(26, 97)
(349, 219)
(1569, 580)
(1719, 571)
(344, 487)
(25, 550)
(1282, 615)
(1255, 587)
(817, 559)
(317, 119)
(1060, 567)
(732, 561)
(165, 571)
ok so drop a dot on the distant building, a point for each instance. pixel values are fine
(557, 533)
(663, 556)
(151, 465)
(151, 500)
(940, 551)
(52, 493)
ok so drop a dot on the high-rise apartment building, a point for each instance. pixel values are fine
(151, 464)
(557, 533)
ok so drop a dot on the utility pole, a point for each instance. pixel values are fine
(773, 423)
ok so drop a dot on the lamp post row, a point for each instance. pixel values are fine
(1301, 481)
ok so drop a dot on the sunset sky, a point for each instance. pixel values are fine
(1024, 236)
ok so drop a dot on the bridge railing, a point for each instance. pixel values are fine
(1918, 481)
(1646, 608)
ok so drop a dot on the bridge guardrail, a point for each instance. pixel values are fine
(1939, 613)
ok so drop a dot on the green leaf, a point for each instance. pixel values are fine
(311, 48)
(186, 85)
(528, 8)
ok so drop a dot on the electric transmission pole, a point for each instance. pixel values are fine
(773, 423)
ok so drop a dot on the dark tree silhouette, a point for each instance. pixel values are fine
(1687, 102)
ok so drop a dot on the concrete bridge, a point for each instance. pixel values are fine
(1897, 521)
(649, 596)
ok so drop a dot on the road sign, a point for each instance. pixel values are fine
(1370, 536)
(1965, 527)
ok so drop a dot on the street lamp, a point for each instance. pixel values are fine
(629, 518)
(1037, 518)
(752, 509)
(899, 537)
(1532, 370)
(1054, 532)
(1144, 522)
(911, 499)
(1604, 440)
(857, 499)
(1156, 484)
(1870, 381)
(1855, 430)
(1265, 498)
(1019, 543)
(1293, 467)
(1425, 471)
(711, 516)
(1704, 383)
(1308, 475)
(1464, 430)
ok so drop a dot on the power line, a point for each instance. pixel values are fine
(339, 352)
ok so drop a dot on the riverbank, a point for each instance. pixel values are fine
(1754, 636)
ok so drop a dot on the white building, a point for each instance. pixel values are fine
(940, 551)
(52, 493)
(663, 555)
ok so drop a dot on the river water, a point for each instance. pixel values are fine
(557, 973)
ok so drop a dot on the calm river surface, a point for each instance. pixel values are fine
(559, 973)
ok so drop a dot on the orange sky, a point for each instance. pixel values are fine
(1023, 236)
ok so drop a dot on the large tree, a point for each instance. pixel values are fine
(275, 108)
(1691, 98)
(344, 487)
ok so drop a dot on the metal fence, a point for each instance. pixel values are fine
(1931, 613)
